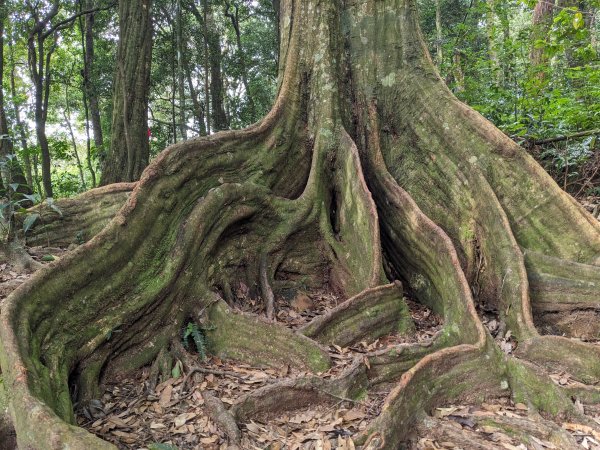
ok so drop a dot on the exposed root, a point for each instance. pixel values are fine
(565, 296)
(76, 220)
(366, 316)
(239, 336)
(265, 288)
(554, 353)
(492, 426)
(14, 253)
(222, 417)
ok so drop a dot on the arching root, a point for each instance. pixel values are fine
(368, 315)
(75, 220)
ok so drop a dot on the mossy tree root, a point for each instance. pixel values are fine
(75, 220)
(447, 203)
(367, 316)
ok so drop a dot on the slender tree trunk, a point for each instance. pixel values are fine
(19, 126)
(218, 116)
(439, 57)
(174, 83)
(39, 64)
(130, 149)
(490, 28)
(202, 19)
(541, 22)
(91, 100)
(11, 172)
(181, 51)
(232, 12)
(207, 99)
(67, 118)
(197, 105)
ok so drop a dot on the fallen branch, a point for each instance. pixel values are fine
(565, 137)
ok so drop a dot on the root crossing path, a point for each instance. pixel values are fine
(367, 171)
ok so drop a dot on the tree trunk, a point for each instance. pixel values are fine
(181, 49)
(91, 102)
(217, 93)
(232, 12)
(541, 23)
(366, 160)
(198, 106)
(439, 55)
(19, 127)
(129, 145)
(67, 117)
(11, 171)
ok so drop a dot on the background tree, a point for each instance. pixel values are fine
(129, 147)
(11, 172)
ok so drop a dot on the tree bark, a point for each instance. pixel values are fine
(11, 171)
(232, 12)
(217, 93)
(181, 50)
(541, 23)
(129, 151)
(439, 55)
(365, 160)
(91, 101)
(19, 127)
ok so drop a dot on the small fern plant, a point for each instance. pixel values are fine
(193, 331)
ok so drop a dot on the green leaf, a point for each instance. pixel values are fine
(14, 186)
(29, 221)
(578, 20)
(53, 206)
(176, 372)
(34, 198)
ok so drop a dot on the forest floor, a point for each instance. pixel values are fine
(133, 416)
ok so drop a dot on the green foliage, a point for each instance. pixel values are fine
(193, 331)
(532, 81)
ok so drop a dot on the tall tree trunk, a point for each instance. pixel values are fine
(39, 56)
(67, 118)
(232, 12)
(490, 28)
(439, 56)
(541, 23)
(218, 116)
(198, 108)
(12, 172)
(366, 160)
(39, 65)
(19, 126)
(181, 51)
(91, 100)
(129, 144)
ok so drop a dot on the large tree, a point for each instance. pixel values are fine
(129, 145)
(365, 161)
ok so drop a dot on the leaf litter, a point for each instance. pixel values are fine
(133, 417)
